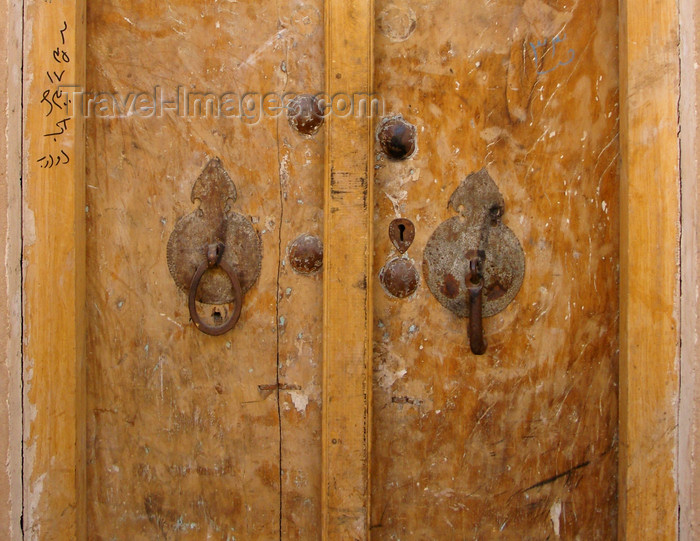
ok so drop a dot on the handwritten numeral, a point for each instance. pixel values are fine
(61, 56)
(543, 45)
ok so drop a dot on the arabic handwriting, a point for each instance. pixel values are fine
(55, 102)
(51, 161)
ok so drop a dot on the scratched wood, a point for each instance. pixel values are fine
(10, 254)
(183, 443)
(300, 161)
(54, 271)
(522, 442)
(689, 400)
(519, 443)
(650, 227)
(347, 296)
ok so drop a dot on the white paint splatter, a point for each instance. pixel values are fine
(300, 401)
(555, 516)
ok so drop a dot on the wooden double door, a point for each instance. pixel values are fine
(192, 436)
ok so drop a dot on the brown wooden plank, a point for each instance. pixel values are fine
(300, 296)
(10, 254)
(519, 443)
(689, 403)
(649, 219)
(54, 272)
(347, 279)
(185, 432)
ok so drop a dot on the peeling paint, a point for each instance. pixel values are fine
(555, 516)
(300, 400)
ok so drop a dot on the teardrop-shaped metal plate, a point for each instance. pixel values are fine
(214, 222)
(478, 228)
(402, 233)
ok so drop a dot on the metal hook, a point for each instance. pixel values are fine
(473, 263)
(475, 288)
(214, 253)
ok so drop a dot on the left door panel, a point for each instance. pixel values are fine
(191, 436)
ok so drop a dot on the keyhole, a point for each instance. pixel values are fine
(402, 232)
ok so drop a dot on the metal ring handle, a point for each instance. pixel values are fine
(214, 253)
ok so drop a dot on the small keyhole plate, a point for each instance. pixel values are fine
(402, 232)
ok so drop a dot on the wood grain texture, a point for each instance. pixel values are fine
(183, 443)
(689, 405)
(520, 443)
(11, 254)
(300, 305)
(54, 273)
(649, 334)
(347, 327)
(526, 435)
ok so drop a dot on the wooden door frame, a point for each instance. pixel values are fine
(649, 383)
(53, 232)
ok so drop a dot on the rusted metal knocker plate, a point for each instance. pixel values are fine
(477, 228)
(214, 221)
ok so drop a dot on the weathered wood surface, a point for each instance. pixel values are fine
(522, 442)
(650, 285)
(10, 254)
(689, 400)
(347, 348)
(53, 237)
(182, 442)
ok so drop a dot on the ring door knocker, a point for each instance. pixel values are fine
(473, 264)
(214, 254)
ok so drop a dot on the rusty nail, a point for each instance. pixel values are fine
(280, 386)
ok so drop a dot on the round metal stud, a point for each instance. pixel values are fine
(399, 278)
(306, 254)
(397, 138)
(305, 114)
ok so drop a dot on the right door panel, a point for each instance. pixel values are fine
(520, 443)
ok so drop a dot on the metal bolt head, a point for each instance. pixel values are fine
(306, 254)
(305, 114)
(397, 138)
(399, 278)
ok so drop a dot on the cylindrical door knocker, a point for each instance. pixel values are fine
(214, 254)
(475, 288)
